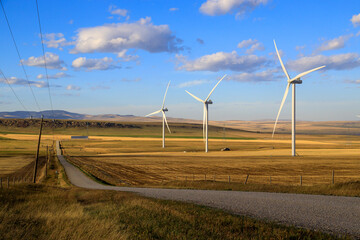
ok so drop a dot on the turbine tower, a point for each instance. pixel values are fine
(164, 121)
(291, 81)
(206, 102)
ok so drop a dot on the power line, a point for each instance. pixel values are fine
(17, 97)
(43, 50)
(18, 53)
(46, 70)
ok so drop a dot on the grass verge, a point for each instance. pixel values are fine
(45, 212)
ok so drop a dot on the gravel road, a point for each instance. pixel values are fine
(338, 215)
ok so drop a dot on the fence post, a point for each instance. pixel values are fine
(229, 178)
(13, 181)
(333, 177)
(0, 182)
(270, 179)
(8, 182)
(185, 179)
(205, 177)
(214, 178)
(300, 180)
(193, 177)
(247, 177)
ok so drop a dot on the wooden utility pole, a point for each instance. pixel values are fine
(37, 151)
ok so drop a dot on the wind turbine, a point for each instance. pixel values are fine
(164, 121)
(291, 81)
(206, 102)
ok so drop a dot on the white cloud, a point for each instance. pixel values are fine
(335, 43)
(253, 44)
(193, 83)
(71, 21)
(117, 37)
(264, 76)
(56, 40)
(54, 76)
(299, 48)
(173, 9)
(333, 62)
(131, 80)
(20, 81)
(127, 58)
(221, 7)
(105, 63)
(52, 61)
(117, 11)
(353, 81)
(73, 87)
(222, 61)
(355, 20)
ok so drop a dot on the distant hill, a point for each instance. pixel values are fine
(60, 114)
(263, 126)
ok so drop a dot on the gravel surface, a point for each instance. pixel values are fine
(338, 215)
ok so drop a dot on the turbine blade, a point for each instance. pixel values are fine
(195, 97)
(153, 113)
(307, 72)
(167, 125)
(282, 64)
(281, 105)
(165, 94)
(214, 88)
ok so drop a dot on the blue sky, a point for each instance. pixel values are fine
(118, 56)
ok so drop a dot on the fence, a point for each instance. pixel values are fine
(289, 180)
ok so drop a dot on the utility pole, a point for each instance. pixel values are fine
(37, 151)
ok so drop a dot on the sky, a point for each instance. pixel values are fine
(117, 57)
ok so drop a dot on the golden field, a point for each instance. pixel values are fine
(133, 155)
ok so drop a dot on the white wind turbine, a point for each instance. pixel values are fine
(293, 81)
(206, 102)
(164, 121)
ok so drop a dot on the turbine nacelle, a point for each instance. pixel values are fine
(209, 102)
(165, 110)
(295, 81)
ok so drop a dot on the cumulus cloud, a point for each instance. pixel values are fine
(335, 43)
(253, 44)
(52, 61)
(264, 76)
(20, 81)
(73, 87)
(200, 41)
(173, 9)
(193, 83)
(221, 7)
(56, 40)
(90, 64)
(54, 76)
(118, 11)
(125, 57)
(355, 20)
(117, 37)
(333, 62)
(222, 61)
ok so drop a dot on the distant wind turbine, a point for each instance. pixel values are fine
(164, 121)
(206, 102)
(293, 81)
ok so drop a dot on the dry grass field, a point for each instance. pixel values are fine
(53, 209)
(142, 161)
(132, 155)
